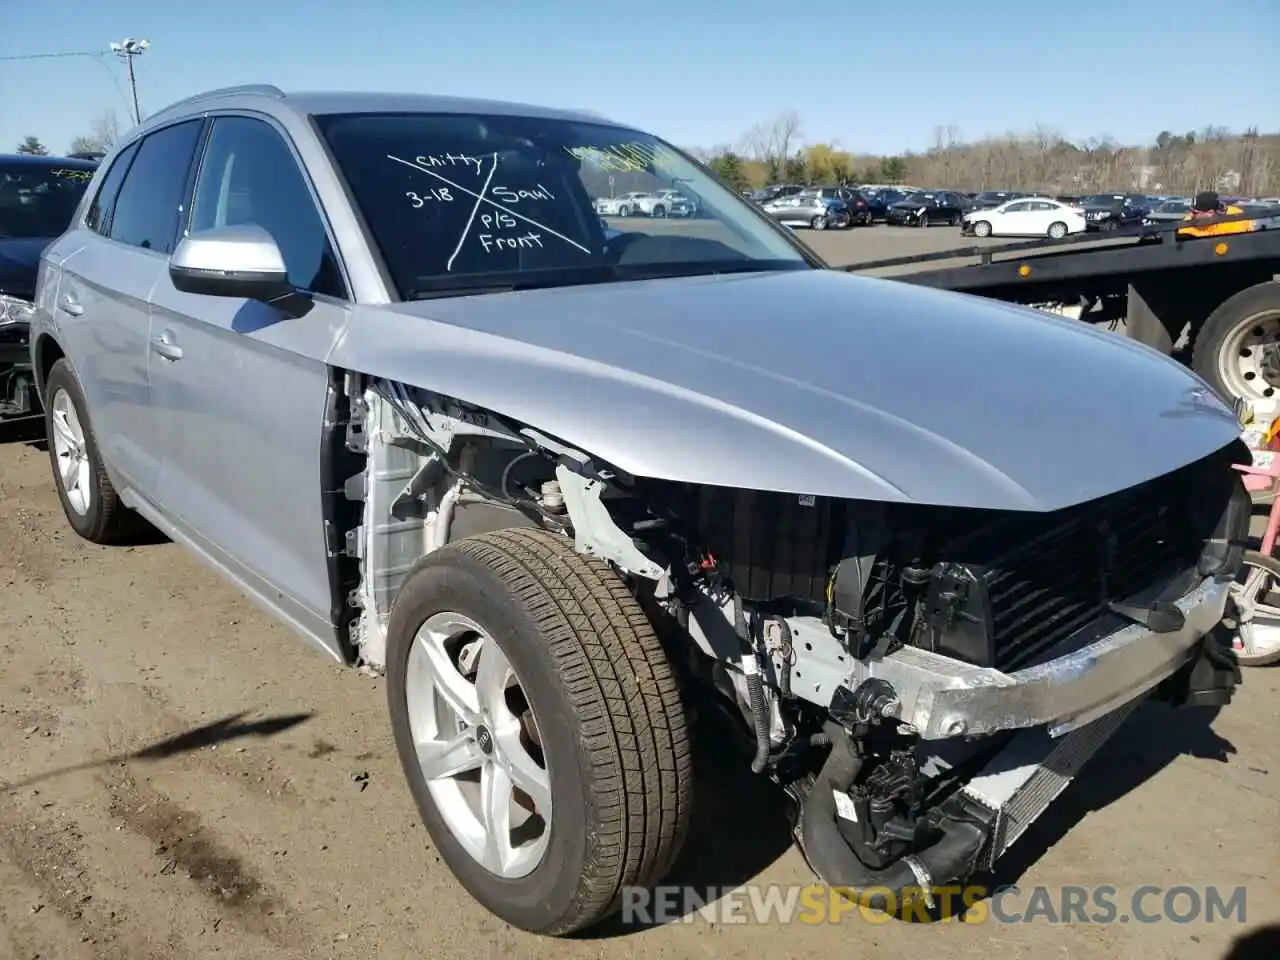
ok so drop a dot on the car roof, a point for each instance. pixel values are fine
(36, 160)
(320, 103)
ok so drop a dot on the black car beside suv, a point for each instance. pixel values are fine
(927, 208)
(38, 198)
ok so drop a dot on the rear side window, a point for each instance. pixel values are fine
(149, 204)
(99, 215)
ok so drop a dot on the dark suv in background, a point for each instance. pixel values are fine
(38, 196)
(1111, 211)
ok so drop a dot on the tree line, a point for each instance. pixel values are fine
(774, 151)
(102, 135)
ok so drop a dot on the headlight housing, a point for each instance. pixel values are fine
(13, 310)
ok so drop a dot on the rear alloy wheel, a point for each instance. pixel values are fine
(1057, 230)
(540, 727)
(982, 229)
(88, 498)
(659, 211)
(624, 211)
(818, 223)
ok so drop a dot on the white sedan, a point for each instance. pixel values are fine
(1026, 217)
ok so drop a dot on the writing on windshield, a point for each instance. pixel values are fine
(501, 216)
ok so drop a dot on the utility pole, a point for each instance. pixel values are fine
(126, 51)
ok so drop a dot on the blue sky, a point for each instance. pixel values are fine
(874, 77)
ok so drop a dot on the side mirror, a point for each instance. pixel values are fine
(241, 262)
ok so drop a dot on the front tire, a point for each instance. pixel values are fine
(89, 500)
(818, 223)
(586, 689)
(982, 229)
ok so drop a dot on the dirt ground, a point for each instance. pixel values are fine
(180, 778)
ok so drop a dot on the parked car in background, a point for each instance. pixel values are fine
(678, 204)
(859, 206)
(928, 209)
(1111, 211)
(880, 200)
(1026, 217)
(38, 196)
(1168, 211)
(809, 210)
(775, 190)
(634, 204)
(990, 199)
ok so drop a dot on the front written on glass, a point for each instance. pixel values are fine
(460, 202)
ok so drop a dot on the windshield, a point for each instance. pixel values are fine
(471, 204)
(37, 200)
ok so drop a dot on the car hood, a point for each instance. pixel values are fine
(19, 262)
(814, 382)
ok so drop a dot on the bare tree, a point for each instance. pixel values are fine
(105, 132)
(774, 141)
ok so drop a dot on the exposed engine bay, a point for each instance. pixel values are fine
(885, 663)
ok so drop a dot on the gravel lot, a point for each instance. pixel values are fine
(180, 778)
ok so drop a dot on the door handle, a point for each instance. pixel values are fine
(69, 304)
(165, 347)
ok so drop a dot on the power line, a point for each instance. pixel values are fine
(50, 56)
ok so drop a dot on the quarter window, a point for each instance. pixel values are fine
(149, 204)
(249, 176)
(99, 216)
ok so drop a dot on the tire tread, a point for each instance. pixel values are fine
(627, 704)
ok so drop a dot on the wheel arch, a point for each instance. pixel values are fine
(45, 353)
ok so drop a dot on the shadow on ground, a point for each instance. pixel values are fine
(741, 822)
(234, 727)
(1261, 944)
(1153, 738)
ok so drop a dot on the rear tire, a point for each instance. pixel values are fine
(88, 498)
(1057, 230)
(609, 721)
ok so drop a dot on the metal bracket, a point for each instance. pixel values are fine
(594, 531)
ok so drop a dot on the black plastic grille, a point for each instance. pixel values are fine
(1048, 576)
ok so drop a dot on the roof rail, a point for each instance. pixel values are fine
(263, 89)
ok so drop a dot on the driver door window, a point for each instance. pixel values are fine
(250, 176)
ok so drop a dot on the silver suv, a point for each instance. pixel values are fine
(378, 360)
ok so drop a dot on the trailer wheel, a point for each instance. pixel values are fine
(1238, 349)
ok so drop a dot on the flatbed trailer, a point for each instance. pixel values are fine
(1214, 302)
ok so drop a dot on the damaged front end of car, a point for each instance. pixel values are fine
(924, 681)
